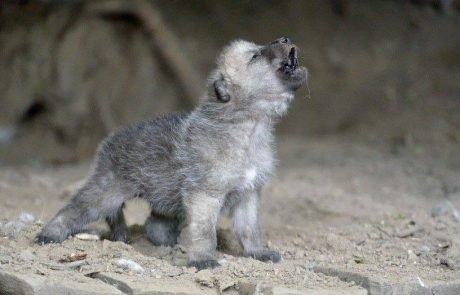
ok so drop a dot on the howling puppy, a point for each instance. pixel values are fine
(191, 166)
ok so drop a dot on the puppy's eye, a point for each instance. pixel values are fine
(255, 56)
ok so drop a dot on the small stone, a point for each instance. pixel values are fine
(440, 208)
(25, 217)
(425, 249)
(449, 263)
(411, 256)
(444, 241)
(456, 215)
(128, 264)
(421, 283)
(443, 207)
(358, 259)
(174, 272)
(12, 228)
(87, 237)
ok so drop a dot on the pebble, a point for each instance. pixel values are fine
(128, 264)
(12, 228)
(26, 217)
(87, 237)
(449, 263)
(440, 208)
(444, 241)
(440, 226)
(425, 249)
(411, 256)
(456, 214)
(444, 207)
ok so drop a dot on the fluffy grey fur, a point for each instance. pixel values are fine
(192, 166)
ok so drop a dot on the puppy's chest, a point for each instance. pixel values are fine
(250, 160)
(255, 171)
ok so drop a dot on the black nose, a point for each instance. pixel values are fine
(282, 40)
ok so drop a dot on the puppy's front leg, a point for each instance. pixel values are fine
(245, 221)
(199, 234)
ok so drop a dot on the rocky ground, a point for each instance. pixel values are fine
(349, 217)
(368, 205)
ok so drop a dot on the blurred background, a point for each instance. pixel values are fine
(384, 73)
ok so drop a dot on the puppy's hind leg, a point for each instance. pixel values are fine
(99, 197)
(162, 231)
(118, 227)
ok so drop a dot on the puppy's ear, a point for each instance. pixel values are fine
(221, 90)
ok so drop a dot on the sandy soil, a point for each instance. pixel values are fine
(334, 204)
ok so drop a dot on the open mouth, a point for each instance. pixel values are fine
(292, 62)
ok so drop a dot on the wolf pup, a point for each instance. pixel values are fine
(191, 166)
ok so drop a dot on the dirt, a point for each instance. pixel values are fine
(336, 204)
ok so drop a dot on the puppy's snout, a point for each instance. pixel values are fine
(282, 40)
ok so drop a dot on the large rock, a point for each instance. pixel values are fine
(152, 286)
(73, 284)
(384, 286)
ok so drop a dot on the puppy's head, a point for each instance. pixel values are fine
(259, 79)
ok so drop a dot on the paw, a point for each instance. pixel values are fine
(119, 236)
(264, 255)
(44, 238)
(52, 234)
(203, 264)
